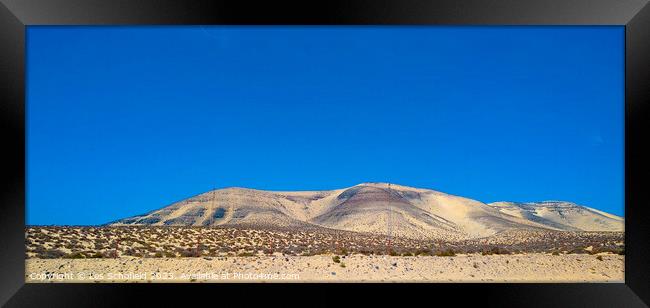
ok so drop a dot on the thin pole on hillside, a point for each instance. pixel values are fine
(211, 212)
(212, 207)
(389, 221)
(201, 227)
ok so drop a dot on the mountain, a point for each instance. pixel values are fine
(379, 208)
(562, 215)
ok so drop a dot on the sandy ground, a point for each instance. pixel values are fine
(322, 268)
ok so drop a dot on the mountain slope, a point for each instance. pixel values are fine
(562, 215)
(379, 208)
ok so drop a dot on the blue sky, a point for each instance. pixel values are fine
(124, 120)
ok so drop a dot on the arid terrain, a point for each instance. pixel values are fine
(158, 242)
(145, 254)
(371, 232)
(534, 267)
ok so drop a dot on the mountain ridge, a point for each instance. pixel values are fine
(376, 207)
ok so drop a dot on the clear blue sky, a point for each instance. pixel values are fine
(124, 120)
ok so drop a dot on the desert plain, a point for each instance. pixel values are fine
(527, 268)
(229, 254)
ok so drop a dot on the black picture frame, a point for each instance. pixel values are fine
(15, 15)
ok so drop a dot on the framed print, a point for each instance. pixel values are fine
(382, 150)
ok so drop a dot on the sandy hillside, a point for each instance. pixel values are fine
(377, 208)
(323, 268)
